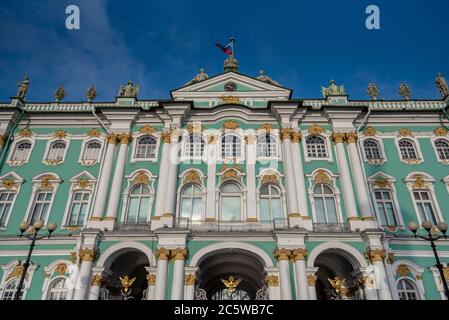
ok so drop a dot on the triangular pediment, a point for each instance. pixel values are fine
(248, 90)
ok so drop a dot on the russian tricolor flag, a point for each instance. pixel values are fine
(226, 49)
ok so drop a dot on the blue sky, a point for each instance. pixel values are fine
(160, 45)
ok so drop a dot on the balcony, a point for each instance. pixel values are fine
(231, 226)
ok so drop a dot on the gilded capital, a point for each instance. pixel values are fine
(286, 133)
(162, 254)
(124, 138)
(87, 254)
(250, 139)
(2, 139)
(165, 136)
(352, 137)
(282, 254)
(112, 138)
(212, 140)
(190, 279)
(376, 255)
(151, 279)
(272, 281)
(296, 136)
(338, 138)
(299, 254)
(97, 280)
(311, 280)
(179, 254)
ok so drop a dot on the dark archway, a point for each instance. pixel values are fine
(240, 264)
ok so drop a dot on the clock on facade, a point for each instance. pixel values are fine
(230, 86)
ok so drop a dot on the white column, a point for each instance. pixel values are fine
(299, 175)
(179, 256)
(348, 192)
(359, 177)
(115, 195)
(251, 201)
(105, 177)
(272, 282)
(299, 256)
(283, 256)
(292, 203)
(82, 286)
(151, 279)
(97, 281)
(190, 281)
(162, 180)
(311, 284)
(391, 277)
(376, 257)
(211, 177)
(172, 178)
(161, 273)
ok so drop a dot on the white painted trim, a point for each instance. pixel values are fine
(381, 147)
(275, 135)
(114, 251)
(136, 137)
(240, 135)
(47, 150)
(349, 252)
(433, 140)
(101, 141)
(18, 139)
(203, 252)
(18, 181)
(183, 185)
(415, 141)
(327, 140)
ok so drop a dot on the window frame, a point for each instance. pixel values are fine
(275, 143)
(327, 144)
(84, 145)
(270, 197)
(8, 268)
(136, 138)
(323, 196)
(220, 202)
(435, 149)
(140, 197)
(51, 285)
(380, 143)
(16, 142)
(415, 142)
(50, 162)
(186, 155)
(413, 283)
(201, 196)
(222, 147)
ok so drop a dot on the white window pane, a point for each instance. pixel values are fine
(197, 209)
(231, 209)
(276, 208)
(319, 211)
(265, 210)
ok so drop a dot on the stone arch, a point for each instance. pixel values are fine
(345, 250)
(114, 251)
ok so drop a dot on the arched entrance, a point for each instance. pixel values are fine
(232, 274)
(129, 263)
(335, 264)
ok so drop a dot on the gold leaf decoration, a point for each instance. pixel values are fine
(192, 177)
(370, 132)
(60, 134)
(322, 177)
(46, 181)
(441, 132)
(230, 100)
(141, 178)
(230, 125)
(405, 132)
(446, 273)
(94, 133)
(61, 269)
(382, 182)
(8, 183)
(266, 127)
(147, 130)
(403, 270)
(316, 129)
(83, 183)
(270, 178)
(25, 133)
(419, 183)
(195, 128)
(16, 272)
(230, 174)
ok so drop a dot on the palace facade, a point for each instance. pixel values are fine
(294, 198)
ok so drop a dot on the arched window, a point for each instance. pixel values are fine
(22, 151)
(442, 147)
(316, 147)
(372, 149)
(408, 150)
(407, 290)
(10, 290)
(78, 208)
(146, 147)
(92, 150)
(6, 199)
(192, 203)
(270, 203)
(194, 146)
(56, 151)
(231, 146)
(231, 202)
(325, 208)
(58, 289)
(138, 204)
(267, 146)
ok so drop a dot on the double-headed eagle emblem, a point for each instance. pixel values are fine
(126, 283)
(231, 284)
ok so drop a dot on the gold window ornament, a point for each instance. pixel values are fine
(419, 183)
(403, 270)
(230, 125)
(441, 132)
(405, 132)
(61, 269)
(7, 183)
(141, 178)
(94, 133)
(322, 177)
(60, 134)
(316, 129)
(147, 130)
(230, 100)
(267, 127)
(25, 133)
(370, 132)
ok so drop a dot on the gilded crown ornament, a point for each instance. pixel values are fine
(60, 94)
(442, 85)
(23, 88)
(91, 93)
(373, 91)
(404, 91)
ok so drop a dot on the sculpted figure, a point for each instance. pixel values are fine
(23, 88)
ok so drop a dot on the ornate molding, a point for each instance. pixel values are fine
(419, 183)
(446, 273)
(83, 183)
(299, 254)
(296, 136)
(87, 254)
(45, 182)
(441, 132)
(403, 270)
(192, 177)
(97, 280)
(338, 137)
(179, 253)
(370, 132)
(267, 127)
(316, 129)
(25, 133)
(382, 183)
(250, 139)
(60, 134)
(61, 268)
(147, 130)
(282, 254)
(195, 128)
(272, 281)
(286, 133)
(405, 132)
(162, 254)
(2, 139)
(212, 139)
(270, 178)
(230, 100)
(16, 272)
(94, 133)
(376, 255)
(112, 138)
(124, 138)
(8, 184)
(230, 125)
(322, 177)
(311, 280)
(141, 178)
(352, 137)
(231, 174)
(151, 279)
(190, 279)
(165, 136)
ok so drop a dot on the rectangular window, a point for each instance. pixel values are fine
(41, 206)
(78, 208)
(425, 206)
(230, 208)
(386, 208)
(6, 199)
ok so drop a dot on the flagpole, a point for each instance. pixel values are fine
(233, 45)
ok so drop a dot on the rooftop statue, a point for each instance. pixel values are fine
(60, 94)
(231, 64)
(128, 91)
(333, 90)
(442, 85)
(199, 77)
(263, 77)
(91, 93)
(23, 88)
(405, 92)
(373, 91)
